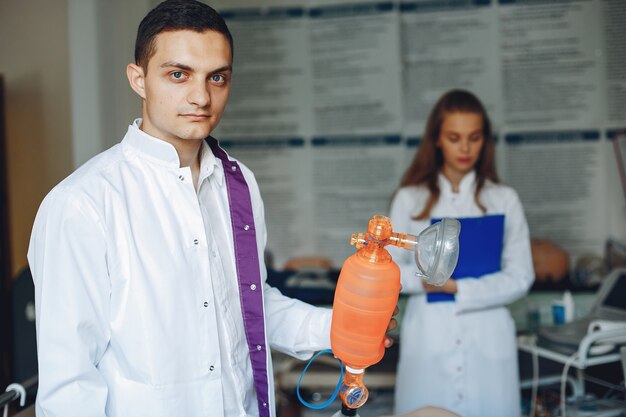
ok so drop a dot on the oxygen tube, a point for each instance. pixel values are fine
(334, 394)
(367, 294)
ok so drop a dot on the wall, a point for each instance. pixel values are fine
(487, 62)
(349, 85)
(54, 124)
(34, 61)
(87, 45)
(101, 41)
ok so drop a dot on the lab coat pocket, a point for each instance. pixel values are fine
(185, 398)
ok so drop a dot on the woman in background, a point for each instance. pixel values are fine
(457, 343)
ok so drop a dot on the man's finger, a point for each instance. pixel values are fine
(388, 342)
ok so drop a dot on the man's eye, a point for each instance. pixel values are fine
(218, 79)
(177, 75)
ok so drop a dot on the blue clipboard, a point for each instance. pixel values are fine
(480, 250)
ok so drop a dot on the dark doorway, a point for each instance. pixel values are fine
(5, 254)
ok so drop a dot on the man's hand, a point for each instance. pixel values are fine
(392, 325)
(449, 287)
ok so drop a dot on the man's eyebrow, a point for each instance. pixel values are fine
(225, 68)
(169, 64)
(173, 64)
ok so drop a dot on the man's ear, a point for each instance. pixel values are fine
(136, 78)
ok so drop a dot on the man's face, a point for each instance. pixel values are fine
(186, 85)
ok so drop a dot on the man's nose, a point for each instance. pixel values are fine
(200, 95)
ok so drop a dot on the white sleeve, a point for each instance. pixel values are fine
(67, 257)
(516, 275)
(295, 327)
(402, 208)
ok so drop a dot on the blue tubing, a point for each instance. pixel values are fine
(333, 396)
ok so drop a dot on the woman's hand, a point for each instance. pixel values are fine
(449, 287)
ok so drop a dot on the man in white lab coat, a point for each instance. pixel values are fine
(148, 260)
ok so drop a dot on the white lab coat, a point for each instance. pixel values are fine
(462, 355)
(128, 307)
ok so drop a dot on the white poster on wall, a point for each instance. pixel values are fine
(271, 73)
(561, 180)
(353, 179)
(447, 45)
(614, 35)
(551, 57)
(355, 68)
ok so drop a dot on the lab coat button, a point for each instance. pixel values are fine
(211, 368)
(180, 177)
(259, 347)
(234, 168)
(246, 228)
(195, 241)
(206, 304)
(265, 404)
(253, 287)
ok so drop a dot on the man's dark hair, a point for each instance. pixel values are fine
(173, 15)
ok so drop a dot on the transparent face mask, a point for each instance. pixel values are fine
(437, 251)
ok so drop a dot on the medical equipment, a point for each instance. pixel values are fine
(367, 294)
(608, 312)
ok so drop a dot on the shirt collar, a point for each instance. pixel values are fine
(165, 153)
(465, 186)
(154, 148)
(210, 165)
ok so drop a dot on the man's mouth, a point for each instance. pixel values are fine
(196, 116)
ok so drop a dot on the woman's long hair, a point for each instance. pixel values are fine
(428, 161)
